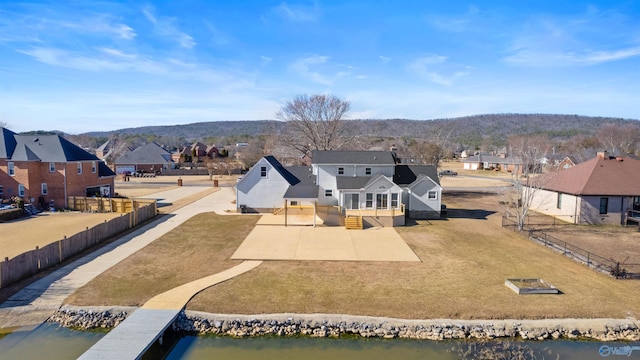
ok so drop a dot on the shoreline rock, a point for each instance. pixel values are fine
(330, 325)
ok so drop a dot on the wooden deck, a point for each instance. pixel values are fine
(133, 337)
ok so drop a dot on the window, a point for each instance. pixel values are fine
(1, 190)
(93, 167)
(340, 171)
(52, 167)
(559, 201)
(263, 171)
(367, 171)
(328, 193)
(604, 205)
(293, 203)
(432, 195)
(11, 168)
(382, 201)
(79, 168)
(369, 200)
(394, 200)
(44, 188)
(21, 190)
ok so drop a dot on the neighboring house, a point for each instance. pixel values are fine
(369, 184)
(46, 169)
(200, 150)
(558, 162)
(149, 158)
(500, 162)
(603, 190)
(110, 150)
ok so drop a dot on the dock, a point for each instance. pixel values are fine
(135, 335)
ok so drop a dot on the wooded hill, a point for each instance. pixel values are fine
(468, 131)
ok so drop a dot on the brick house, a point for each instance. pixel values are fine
(603, 190)
(46, 169)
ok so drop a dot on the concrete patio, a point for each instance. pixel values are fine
(274, 242)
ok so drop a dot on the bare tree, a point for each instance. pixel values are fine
(527, 151)
(314, 122)
(619, 139)
(3, 124)
(427, 152)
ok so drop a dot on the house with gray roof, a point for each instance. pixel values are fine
(489, 161)
(46, 169)
(148, 158)
(370, 185)
(603, 190)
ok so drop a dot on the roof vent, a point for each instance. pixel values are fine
(36, 139)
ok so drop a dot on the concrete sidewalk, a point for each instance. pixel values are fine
(37, 301)
(273, 242)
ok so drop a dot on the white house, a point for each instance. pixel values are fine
(367, 184)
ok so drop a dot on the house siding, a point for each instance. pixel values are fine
(591, 210)
(419, 205)
(584, 210)
(545, 202)
(259, 195)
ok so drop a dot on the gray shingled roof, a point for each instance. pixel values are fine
(407, 174)
(352, 157)
(148, 154)
(352, 182)
(48, 148)
(303, 174)
(301, 192)
(7, 143)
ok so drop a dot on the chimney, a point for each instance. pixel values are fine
(602, 155)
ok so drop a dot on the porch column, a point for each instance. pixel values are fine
(285, 212)
(315, 209)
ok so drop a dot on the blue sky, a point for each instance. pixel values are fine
(80, 66)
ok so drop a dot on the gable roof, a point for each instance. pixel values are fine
(407, 174)
(104, 170)
(149, 154)
(289, 177)
(598, 176)
(7, 143)
(338, 157)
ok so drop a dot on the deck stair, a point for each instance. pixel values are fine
(353, 223)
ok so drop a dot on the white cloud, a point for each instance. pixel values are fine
(384, 59)
(436, 69)
(165, 26)
(592, 38)
(297, 13)
(303, 68)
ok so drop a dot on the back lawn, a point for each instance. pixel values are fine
(465, 260)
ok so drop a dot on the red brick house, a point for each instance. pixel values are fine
(46, 169)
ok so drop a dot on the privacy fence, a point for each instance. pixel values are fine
(594, 261)
(31, 262)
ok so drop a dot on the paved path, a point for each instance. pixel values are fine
(132, 338)
(37, 301)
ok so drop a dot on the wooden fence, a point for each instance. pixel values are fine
(593, 261)
(103, 204)
(31, 262)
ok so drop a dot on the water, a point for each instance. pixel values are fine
(49, 341)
